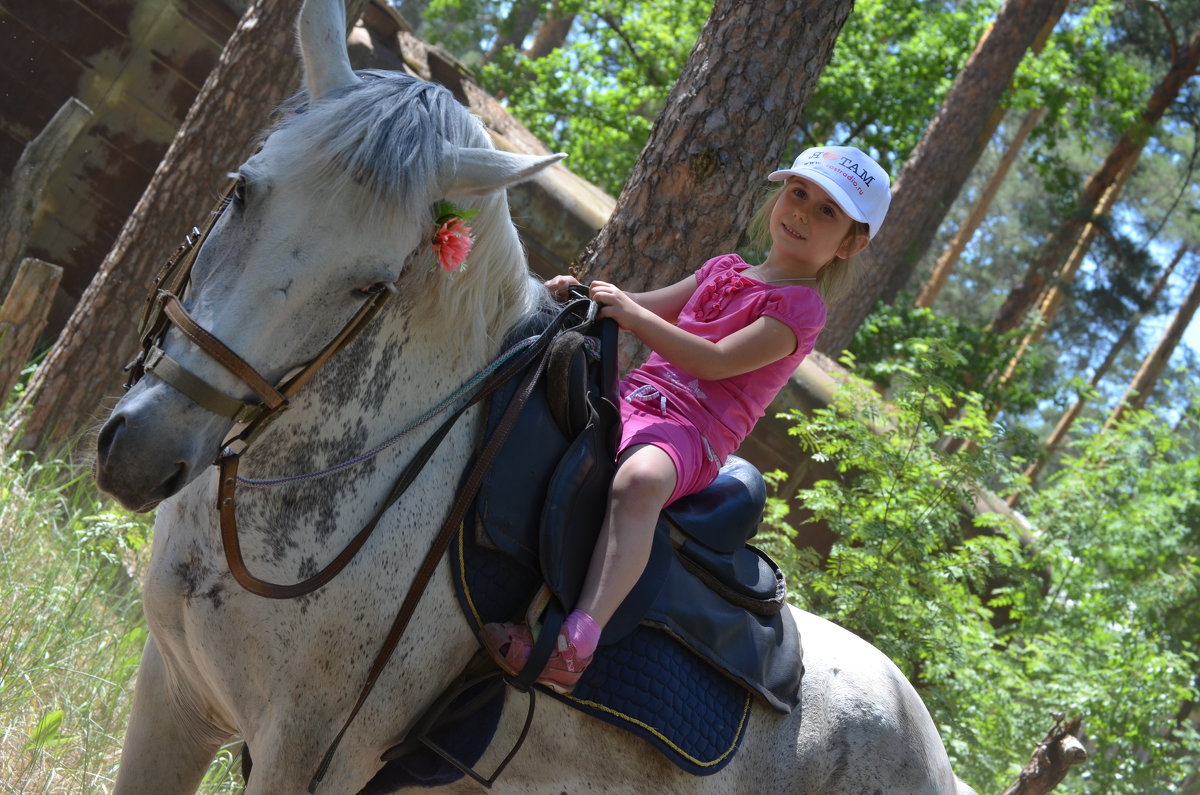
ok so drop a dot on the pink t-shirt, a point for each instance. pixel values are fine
(724, 412)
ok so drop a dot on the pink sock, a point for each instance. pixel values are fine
(582, 632)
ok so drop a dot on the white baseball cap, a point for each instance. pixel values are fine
(853, 180)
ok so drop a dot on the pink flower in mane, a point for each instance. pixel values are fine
(452, 244)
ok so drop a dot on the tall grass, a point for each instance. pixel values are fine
(71, 630)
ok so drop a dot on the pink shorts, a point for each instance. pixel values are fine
(646, 418)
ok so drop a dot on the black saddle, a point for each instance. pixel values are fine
(544, 500)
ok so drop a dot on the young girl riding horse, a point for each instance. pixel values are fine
(724, 342)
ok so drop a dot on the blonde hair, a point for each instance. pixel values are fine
(838, 276)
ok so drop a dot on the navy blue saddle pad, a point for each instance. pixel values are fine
(684, 658)
(647, 682)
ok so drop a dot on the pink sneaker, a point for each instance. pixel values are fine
(509, 646)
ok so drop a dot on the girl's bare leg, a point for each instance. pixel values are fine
(644, 481)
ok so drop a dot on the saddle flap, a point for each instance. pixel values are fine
(510, 499)
(573, 512)
(726, 514)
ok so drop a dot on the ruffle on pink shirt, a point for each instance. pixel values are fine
(717, 294)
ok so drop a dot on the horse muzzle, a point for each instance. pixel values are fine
(154, 443)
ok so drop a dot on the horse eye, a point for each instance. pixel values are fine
(239, 190)
(376, 288)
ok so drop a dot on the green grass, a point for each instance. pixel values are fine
(71, 628)
(71, 631)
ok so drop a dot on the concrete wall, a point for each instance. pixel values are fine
(138, 64)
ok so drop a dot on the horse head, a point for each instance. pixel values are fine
(335, 210)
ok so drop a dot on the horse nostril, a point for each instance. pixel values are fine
(108, 436)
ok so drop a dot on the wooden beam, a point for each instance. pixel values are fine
(23, 316)
(20, 196)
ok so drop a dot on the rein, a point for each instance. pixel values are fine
(164, 308)
(228, 463)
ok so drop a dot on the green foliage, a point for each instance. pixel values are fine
(891, 67)
(899, 510)
(463, 26)
(899, 341)
(1085, 608)
(71, 629)
(1118, 531)
(1091, 93)
(597, 96)
(1079, 79)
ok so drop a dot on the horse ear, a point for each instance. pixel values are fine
(321, 30)
(480, 171)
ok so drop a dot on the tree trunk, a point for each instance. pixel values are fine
(22, 318)
(947, 262)
(727, 124)
(1153, 365)
(1055, 441)
(943, 159)
(1051, 761)
(552, 34)
(1056, 248)
(258, 67)
(515, 28)
(1052, 299)
(22, 191)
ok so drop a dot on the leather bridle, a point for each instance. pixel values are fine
(164, 308)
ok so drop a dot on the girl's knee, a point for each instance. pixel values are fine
(649, 474)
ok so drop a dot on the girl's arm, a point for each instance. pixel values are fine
(764, 341)
(666, 302)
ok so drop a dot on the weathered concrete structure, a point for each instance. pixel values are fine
(137, 64)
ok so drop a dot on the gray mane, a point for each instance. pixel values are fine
(387, 134)
(382, 143)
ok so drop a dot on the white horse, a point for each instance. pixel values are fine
(336, 204)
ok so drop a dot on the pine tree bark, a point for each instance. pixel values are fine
(726, 125)
(257, 69)
(1056, 248)
(949, 259)
(552, 34)
(1153, 365)
(943, 159)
